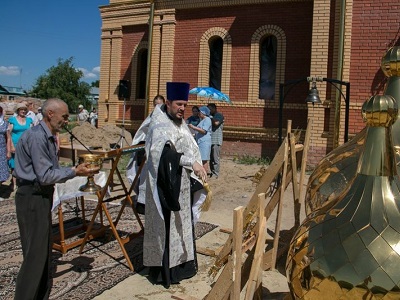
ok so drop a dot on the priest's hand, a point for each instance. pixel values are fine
(199, 171)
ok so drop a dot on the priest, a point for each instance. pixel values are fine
(174, 173)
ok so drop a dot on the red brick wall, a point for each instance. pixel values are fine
(241, 22)
(132, 36)
(375, 27)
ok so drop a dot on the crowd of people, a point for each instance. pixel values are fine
(206, 124)
(12, 128)
(175, 156)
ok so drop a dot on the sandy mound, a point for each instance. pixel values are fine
(98, 137)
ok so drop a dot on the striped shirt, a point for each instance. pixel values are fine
(216, 134)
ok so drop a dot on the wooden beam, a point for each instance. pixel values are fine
(254, 279)
(296, 194)
(237, 251)
(304, 159)
(263, 186)
(180, 296)
(205, 251)
(223, 284)
(280, 204)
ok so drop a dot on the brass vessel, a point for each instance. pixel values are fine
(94, 162)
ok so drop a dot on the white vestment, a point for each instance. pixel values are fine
(162, 130)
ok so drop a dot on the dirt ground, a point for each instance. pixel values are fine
(233, 188)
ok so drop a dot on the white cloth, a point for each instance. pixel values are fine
(198, 199)
(70, 188)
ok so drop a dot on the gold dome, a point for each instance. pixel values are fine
(380, 111)
(390, 63)
(350, 249)
(336, 172)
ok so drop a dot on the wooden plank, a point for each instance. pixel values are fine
(249, 243)
(205, 251)
(180, 296)
(296, 195)
(280, 204)
(275, 197)
(264, 184)
(226, 230)
(293, 162)
(223, 283)
(237, 251)
(304, 159)
(256, 270)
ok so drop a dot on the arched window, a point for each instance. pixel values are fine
(141, 74)
(139, 71)
(268, 55)
(215, 68)
(267, 64)
(215, 59)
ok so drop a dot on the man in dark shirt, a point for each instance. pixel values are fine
(37, 171)
(217, 120)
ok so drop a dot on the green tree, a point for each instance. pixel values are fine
(95, 83)
(63, 81)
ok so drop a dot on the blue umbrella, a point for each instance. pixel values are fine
(210, 93)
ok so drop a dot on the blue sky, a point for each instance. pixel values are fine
(35, 34)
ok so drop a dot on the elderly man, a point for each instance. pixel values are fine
(37, 170)
(174, 173)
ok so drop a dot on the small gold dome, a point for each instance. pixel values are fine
(390, 63)
(380, 111)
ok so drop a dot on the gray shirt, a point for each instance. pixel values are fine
(217, 133)
(36, 157)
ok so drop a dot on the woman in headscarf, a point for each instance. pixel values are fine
(203, 135)
(4, 155)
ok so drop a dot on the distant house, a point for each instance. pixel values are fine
(10, 92)
(94, 96)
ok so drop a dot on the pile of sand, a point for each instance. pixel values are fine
(103, 137)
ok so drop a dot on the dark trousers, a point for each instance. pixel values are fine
(34, 222)
(215, 159)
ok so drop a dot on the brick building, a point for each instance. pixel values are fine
(341, 40)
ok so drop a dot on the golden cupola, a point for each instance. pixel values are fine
(350, 249)
(336, 171)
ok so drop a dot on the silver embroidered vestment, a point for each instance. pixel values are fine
(162, 131)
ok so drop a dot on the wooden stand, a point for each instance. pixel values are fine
(125, 196)
(60, 239)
